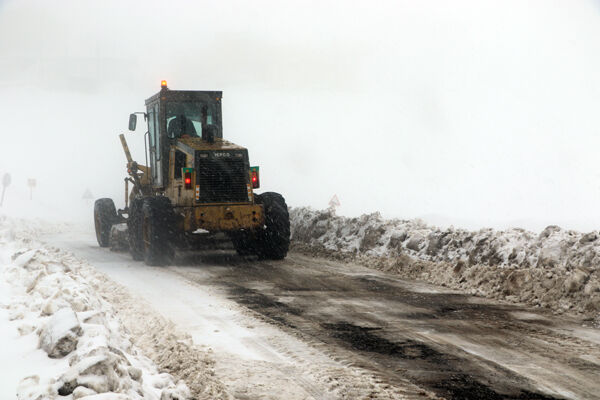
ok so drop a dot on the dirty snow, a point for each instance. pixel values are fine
(558, 269)
(60, 338)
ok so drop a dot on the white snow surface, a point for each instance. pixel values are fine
(61, 337)
(558, 268)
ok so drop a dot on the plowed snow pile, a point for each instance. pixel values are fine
(558, 269)
(68, 340)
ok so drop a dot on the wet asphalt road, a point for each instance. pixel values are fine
(458, 346)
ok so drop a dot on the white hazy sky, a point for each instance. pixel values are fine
(476, 113)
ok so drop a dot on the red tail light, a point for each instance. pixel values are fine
(255, 177)
(187, 177)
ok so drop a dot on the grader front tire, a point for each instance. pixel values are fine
(105, 215)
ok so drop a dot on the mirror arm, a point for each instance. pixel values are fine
(146, 147)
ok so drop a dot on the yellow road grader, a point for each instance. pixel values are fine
(195, 188)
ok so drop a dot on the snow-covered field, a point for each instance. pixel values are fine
(558, 269)
(60, 337)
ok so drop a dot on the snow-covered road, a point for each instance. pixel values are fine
(254, 358)
(308, 328)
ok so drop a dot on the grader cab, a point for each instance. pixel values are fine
(195, 187)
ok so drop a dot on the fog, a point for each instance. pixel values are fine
(467, 113)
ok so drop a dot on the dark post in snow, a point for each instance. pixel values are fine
(5, 183)
(31, 183)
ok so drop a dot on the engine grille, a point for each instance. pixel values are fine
(222, 180)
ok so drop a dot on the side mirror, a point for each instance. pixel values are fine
(132, 122)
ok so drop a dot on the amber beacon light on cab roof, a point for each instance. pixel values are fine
(197, 190)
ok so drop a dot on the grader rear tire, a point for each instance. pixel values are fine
(274, 240)
(134, 229)
(157, 230)
(105, 215)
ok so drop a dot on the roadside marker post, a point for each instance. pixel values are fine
(5, 183)
(31, 183)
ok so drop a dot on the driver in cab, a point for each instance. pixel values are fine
(181, 127)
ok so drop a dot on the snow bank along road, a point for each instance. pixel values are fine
(557, 269)
(60, 337)
(308, 328)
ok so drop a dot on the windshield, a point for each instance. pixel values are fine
(187, 119)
